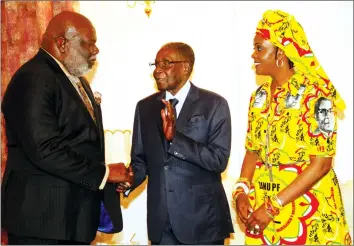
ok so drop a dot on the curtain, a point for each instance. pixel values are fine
(22, 26)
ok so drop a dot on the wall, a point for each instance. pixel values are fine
(221, 34)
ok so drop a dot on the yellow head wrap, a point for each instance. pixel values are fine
(286, 33)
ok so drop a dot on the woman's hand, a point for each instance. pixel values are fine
(258, 220)
(243, 207)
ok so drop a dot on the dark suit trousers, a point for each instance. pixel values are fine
(168, 238)
(21, 240)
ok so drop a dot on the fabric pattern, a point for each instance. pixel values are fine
(300, 121)
(283, 30)
(288, 131)
(86, 100)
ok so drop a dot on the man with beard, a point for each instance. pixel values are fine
(56, 187)
(181, 141)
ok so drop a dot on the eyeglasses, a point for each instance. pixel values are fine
(163, 64)
(325, 111)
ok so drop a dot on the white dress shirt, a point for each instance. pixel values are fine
(180, 96)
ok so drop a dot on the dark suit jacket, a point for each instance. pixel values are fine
(55, 157)
(184, 177)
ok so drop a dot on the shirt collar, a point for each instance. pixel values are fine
(71, 77)
(181, 94)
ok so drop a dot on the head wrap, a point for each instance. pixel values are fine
(286, 33)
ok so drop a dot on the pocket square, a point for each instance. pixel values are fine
(195, 118)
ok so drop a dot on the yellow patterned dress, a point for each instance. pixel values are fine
(301, 121)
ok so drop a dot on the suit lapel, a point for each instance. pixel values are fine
(158, 106)
(184, 115)
(65, 82)
(187, 108)
(68, 86)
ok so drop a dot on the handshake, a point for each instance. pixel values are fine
(120, 175)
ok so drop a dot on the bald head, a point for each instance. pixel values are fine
(70, 37)
(66, 24)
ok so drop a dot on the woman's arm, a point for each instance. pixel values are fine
(249, 165)
(243, 206)
(318, 168)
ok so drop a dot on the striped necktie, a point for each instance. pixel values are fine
(86, 100)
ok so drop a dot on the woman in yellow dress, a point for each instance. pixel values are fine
(288, 192)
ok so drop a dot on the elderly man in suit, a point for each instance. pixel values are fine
(181, 141)
(56, 187)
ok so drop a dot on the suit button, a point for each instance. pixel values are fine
(176, 153)
(166, 167)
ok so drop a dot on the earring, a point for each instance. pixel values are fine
(277, 63)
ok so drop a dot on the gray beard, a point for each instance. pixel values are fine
(76, 64)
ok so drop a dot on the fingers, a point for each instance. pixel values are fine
(120, 190)
(255, 230)
(130, 177)
(257, 221)
(242, 218)
(165, 102)
(163, 115)
(122, 187)
(130, 170)
(244, 208)
(170, 112)
(254, 225)
(251, 220)
(251, 223)
(242, 213)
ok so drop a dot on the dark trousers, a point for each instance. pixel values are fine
(22, 240)
(168, 238)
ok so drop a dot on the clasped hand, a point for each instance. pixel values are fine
(255, 221)
(120, 174)
(168, 120)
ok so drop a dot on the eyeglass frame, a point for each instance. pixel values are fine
(325, 112)
(151, 64)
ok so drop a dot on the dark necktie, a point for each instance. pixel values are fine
(174, 102)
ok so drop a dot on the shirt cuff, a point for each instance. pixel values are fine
(104, 181)
(126, 193)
